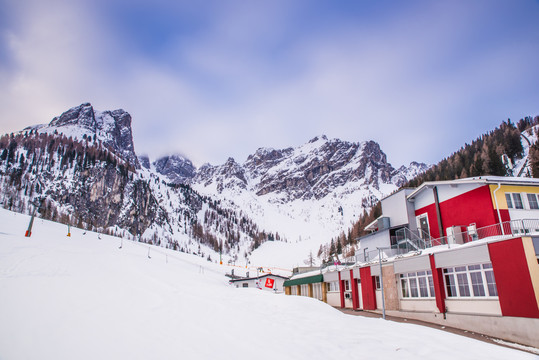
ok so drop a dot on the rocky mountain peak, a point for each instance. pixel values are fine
(317, 138)
(112, 128)
(177, 168)
(82, 115)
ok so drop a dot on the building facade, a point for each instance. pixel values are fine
(460, 253)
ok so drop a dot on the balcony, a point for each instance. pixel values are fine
(406, 240)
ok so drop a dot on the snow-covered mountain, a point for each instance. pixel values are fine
(84, 166)
(112, 128)
(176, 168)
(307, 194)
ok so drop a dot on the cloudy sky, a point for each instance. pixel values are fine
(217, 78)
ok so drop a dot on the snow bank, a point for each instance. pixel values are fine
(82, 297)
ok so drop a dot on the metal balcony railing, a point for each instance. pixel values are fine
(410, 241)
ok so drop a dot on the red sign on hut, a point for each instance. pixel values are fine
(269, 283)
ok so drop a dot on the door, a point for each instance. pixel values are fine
(423, 226)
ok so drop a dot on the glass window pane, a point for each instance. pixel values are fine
(509, 201)
(404, 286)
(423, 290)
(450, 285)
(491, 284)
(464, 288)
(413, 287)
(420, 273)
(518, 201)
(477, 284)
(532, 200)
(431, 287)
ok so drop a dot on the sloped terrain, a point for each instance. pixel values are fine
(81, 297)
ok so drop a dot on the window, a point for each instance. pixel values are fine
(245, 285)
(304, 290)
(333, 286)
(517, 199)
(417, 284)
(532, 200)
(489, 276)
(377, 282)
(317, 291)
(509, 201)
(346, 285)
(470, 281)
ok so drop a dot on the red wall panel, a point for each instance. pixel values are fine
(341, 289)
(438, 280)
(355, 293)
(474, 206)
(513, 279)
(368, 288)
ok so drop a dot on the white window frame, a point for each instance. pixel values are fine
(317, 291)
(304, 289)
(333, 286)
(407, 279)
(461, 282)
(347, 285)
(377, 282)
(536, 206)
(511, 204)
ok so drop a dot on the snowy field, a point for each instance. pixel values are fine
(82, 297)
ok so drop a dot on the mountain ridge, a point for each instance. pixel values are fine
(93, 177)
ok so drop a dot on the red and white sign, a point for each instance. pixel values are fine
(269, 283)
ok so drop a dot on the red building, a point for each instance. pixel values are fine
(460, 253)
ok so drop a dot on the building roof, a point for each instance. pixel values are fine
(305, 280)
(504, 180)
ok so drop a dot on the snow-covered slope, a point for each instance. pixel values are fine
(522, 166)
(82, 297)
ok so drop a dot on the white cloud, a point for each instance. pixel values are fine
(416, 79)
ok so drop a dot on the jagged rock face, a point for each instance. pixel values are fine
(311, 171)
(82, 115)
(229, 175)
(144, 161)
(405, 174)
(317, 168)
(176, 168)
(113, 128)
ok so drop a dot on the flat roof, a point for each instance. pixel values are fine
(477, 180)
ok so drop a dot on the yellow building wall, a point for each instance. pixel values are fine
(500, 194)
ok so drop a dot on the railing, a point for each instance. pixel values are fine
(405, 240)
(408, 240)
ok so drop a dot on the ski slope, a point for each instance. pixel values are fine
(82, 297)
